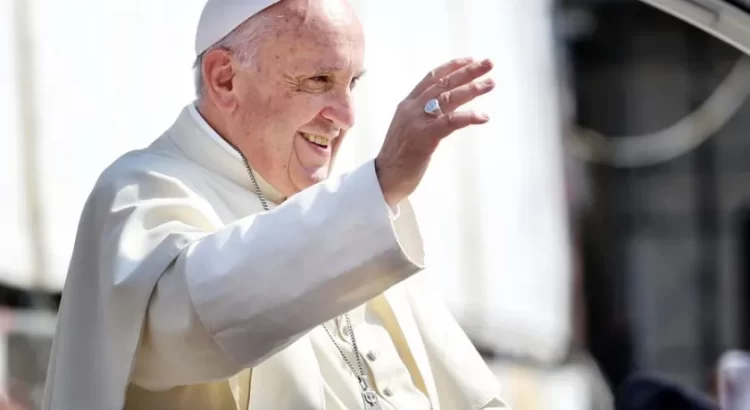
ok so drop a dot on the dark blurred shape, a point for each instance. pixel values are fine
(608, 332)
(742, 221)
(652, 393)
(24, 299)
(743, 4)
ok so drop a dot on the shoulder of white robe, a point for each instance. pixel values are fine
(121, 248)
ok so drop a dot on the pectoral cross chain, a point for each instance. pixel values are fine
(369, 397)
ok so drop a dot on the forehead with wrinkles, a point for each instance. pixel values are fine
(310, 28)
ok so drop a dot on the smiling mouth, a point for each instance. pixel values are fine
(318, 140)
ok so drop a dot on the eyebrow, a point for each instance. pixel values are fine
(332, 69)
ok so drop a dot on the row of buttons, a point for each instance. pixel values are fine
(373, 356)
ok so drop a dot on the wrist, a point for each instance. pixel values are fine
(392, 199)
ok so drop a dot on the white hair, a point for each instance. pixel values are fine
(243, 42)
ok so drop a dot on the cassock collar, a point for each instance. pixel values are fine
(203, 144)
(209, 131)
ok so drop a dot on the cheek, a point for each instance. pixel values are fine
(304, 111)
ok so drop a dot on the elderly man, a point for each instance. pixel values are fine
(221, 267)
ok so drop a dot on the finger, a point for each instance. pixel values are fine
(457, 78)
(454, 121)
(439, 73)
(451, 100)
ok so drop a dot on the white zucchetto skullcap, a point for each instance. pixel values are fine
(220, 17)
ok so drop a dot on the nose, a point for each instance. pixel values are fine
(340, 109)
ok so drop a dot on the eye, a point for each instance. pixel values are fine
(316, 84)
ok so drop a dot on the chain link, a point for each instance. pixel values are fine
(362, 375)
(250, 172)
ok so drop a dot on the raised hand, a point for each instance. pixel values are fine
(414, 134)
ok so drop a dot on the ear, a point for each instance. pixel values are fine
(218, 74)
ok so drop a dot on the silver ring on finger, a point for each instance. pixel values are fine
(432, 108)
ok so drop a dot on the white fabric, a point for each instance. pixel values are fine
(220, 17)
(180, 283)
(388, 375)
(207, 130)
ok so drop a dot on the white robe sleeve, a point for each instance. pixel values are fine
(241, 294)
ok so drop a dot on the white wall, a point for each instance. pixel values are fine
(491, 206)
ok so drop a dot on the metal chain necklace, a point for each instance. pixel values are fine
(369, 398)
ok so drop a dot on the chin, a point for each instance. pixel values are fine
(305, 180)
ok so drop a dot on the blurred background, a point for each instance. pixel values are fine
(596, 227)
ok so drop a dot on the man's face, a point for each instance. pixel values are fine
(295, 105)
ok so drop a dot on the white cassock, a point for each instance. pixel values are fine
(183, 294)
